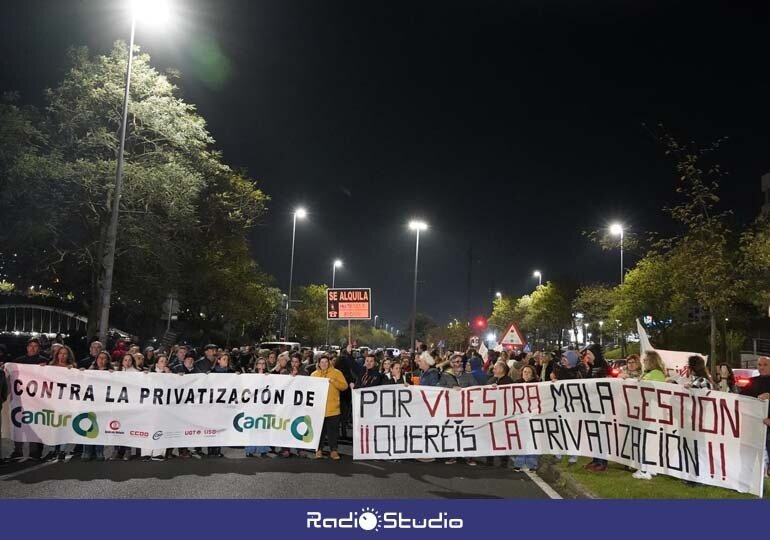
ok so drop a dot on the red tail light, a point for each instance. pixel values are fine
(615, 372)
(742, 381)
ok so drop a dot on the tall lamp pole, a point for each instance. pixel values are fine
(616, 229)
(336, 264)
(158, 10)
(416, 226)
(300, 213)
(539, 277)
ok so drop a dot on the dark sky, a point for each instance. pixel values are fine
(510, 126)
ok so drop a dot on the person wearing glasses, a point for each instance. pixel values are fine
(633, 368)
(456, 377)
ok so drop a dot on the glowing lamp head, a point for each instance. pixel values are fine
(338, 264)
(300, 213)
(417, 225)
(616, 229)
(156, 12)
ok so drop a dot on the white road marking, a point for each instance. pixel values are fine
(548, 490)
(28, 469)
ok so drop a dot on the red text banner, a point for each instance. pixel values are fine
(708, 437)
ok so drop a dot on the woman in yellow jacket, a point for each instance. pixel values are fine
(337, 383)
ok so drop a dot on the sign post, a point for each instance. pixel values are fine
(350, 305)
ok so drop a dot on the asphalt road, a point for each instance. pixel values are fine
(236, 477)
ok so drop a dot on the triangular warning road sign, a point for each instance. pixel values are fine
(513, 337)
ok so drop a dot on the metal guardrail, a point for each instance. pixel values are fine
(29, 318)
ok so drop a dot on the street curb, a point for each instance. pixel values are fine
(563, 482)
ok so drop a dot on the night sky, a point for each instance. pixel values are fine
(509, 126)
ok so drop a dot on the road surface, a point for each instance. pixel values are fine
(238, 477)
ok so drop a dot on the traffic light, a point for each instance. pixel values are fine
(480, 323)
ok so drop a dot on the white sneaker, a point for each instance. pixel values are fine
(641, 475)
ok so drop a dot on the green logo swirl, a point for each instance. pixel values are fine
(92, 432)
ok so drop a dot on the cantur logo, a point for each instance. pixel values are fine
(301, 428)
(83, 424)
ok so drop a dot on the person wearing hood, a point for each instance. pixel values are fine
(594, 366)
(477, 369)
(188, 366)
(337, 384)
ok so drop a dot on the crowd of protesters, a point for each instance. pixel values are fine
(348, 369)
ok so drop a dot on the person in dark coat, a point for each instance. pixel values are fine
(367, 375)
(208, 361)
(500, 374)
(189, 366)
(32, 358)
(594, 366)
(3, 397)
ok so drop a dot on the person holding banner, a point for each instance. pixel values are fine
(337, 384)
(455, 376)
(148, 454)
(654, 370)
(3, 397)
(429, 375)
(725, 381)
(500, 374)
(594, 366)
(526, 462)
(395, 376)
(759, 387)
(222, 365)
(96, 451)
(260, 368)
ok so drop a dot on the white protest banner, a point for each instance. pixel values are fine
(709, 437)
(57, 405)
(676, 362)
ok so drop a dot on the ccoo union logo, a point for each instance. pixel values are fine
(370, 519)
(301, 428)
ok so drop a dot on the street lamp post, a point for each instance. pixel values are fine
(375, 320)
(585, 334)
(539, 277)
(416, 226)
(601, 333)
(140, 8)
(300, 213)
(616, 229)
(336, 264)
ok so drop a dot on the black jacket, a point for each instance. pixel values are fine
(181, 368)
(3, 388)
(391, 380)
(502, 380)
(86, 362)
(204, 365)
(756, 387)
(32, 360)
(368, 377)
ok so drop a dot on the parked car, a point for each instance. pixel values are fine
(742, 376)
(616, 367)
(280, 345)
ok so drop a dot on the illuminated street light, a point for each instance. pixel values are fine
(157, 12)
(299, 213)
(539, 277)
(417, 226)
(616, 229)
